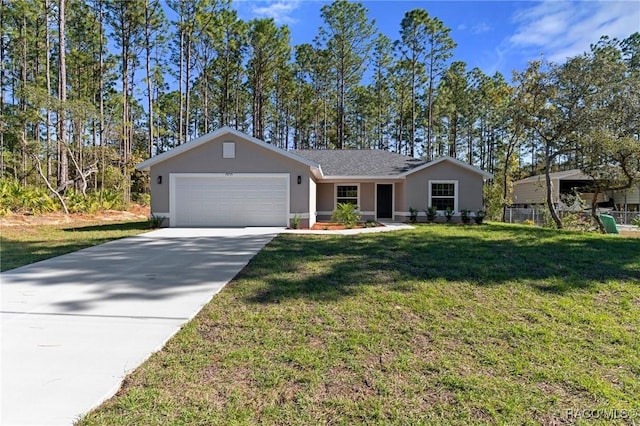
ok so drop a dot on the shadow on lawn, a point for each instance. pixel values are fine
(121, 226)
(548, 260)
(16, 253)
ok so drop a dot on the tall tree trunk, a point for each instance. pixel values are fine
(412, 128)
(2, 65)
(48, 81)
(129, 148)
(124, 147)
(101, 96)
(180, 79)
(205, 98)
(453, 135)
(430, 108)
(63, 162)
(23, 103)
(547, 176)
(470, 143)
(187, 89)
(341, 97)
(594, 210)
(147, 42)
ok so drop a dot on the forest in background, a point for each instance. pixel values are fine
(90, 88)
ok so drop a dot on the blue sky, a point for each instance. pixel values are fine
(491, 35)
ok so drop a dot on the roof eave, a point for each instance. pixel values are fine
(355, 178)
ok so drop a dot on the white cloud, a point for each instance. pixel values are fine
(280, 11)
(563, 29)
(480, 28)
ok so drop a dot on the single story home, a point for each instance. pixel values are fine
(532, 191)
(228, 178)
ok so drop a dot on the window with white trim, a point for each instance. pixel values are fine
(347, 194)
(443, 195)
(228, 150)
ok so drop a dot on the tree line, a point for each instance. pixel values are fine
(90, 88)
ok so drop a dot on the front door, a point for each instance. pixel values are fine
(384, 203)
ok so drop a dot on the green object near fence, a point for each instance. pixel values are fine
(609, 224)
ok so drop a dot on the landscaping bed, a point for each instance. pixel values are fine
(333, 226)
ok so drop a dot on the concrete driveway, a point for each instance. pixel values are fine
(75, 325)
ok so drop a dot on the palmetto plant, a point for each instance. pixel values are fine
(346, 214)
(14, 197)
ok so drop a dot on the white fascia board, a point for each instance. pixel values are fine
(330, 179)
(146, 165)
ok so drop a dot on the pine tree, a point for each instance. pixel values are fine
(347, 35)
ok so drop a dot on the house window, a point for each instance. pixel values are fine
(228, 150)
(443, 195)
(347, 194)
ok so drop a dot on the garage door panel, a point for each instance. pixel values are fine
(257, 200)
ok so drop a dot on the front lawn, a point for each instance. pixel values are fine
(22, 244)
(443, 324)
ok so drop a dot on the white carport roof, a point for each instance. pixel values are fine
(575, 174)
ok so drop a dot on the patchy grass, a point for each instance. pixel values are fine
(24, 244)
(439, 325)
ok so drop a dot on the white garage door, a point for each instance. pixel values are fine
(202, 199)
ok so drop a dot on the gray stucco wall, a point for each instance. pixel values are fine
(249, 158)
(368, 198)
(417, 187)
(326, 197)
(400, 200)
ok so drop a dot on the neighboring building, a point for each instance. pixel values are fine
(227, 178)
(627, 200)
(532, 191)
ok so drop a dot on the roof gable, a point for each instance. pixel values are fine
(209, 137)
(454, 161)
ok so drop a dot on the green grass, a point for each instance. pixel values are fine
(444, 324)
(24, 244)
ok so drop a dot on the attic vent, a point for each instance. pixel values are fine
(228, 150)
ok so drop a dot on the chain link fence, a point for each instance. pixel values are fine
(540, 215)
(624, 217)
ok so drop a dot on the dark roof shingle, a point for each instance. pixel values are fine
(352, 162)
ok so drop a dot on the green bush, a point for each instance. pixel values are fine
(448, 213)
(464, 214)
(154, 221)
(479, 217)
(75, 201)
(432, 213)
(636, 221)
(295, 222)
(579, 222)
(109, 200)
(94, 202)
(16, 198)
(142, 198)
(346, 214)
(413, 215)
